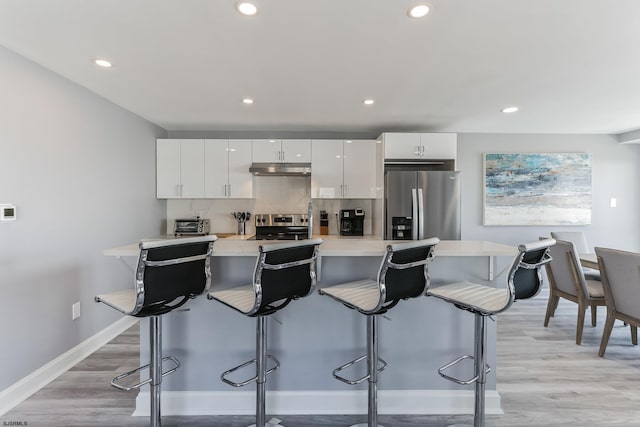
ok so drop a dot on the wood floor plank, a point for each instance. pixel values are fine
(543, 377)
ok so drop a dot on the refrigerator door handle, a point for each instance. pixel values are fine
(420, 214)
(414, 217)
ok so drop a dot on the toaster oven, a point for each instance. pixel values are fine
(191, 227)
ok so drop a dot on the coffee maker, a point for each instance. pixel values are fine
(351, 222)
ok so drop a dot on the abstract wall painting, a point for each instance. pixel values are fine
(537, 188)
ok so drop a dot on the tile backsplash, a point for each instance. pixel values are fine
(273, 194)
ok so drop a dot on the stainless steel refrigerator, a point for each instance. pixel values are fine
(421, 203)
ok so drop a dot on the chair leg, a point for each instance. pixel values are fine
(372, 368)
(594, 313)
(580, 325)
(480, 355)
(634, 335)
(551, 308)
(606, 333)
(261, 371)
(155, 367)
(372, 362)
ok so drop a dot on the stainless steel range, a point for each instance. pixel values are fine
(282, 226)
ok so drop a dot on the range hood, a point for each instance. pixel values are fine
(281, 169)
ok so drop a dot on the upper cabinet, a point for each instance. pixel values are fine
(179, 168)
(227, 163)
(420, 145)
(343, 169)
(282, 150)
(198, 168)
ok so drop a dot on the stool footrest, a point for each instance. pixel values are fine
(353, 362)
(114, 382)
(456, 380)
(250, 380)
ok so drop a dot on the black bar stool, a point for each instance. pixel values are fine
(403, 274)
(524, 281)
(283, 272)
(169, 273)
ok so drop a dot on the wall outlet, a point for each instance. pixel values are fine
(75, 311)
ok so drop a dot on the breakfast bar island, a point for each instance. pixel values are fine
(313, 336)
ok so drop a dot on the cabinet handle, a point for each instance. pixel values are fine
(422, 151)
(282, 156)
(416, 151)
(346, 190)
(229, 190)
(181, 188)
(225, 190)
(279, 156)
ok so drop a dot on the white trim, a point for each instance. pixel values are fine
(193, 403)
(21, 390)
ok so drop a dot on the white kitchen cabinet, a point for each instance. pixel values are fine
(282, 150)
(420, 145)
(227, 163)
(343, 169)
(179, 168)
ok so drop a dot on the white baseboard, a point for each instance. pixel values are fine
(318, 402)
(21, 390)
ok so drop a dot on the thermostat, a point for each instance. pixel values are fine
(7, 213)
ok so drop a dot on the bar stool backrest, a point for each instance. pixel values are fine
(170, 272)
(284, 272)
(525, 276)
(404, 271)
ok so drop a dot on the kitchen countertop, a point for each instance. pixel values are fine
(339, 246)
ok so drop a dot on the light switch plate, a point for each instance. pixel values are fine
(7, 212)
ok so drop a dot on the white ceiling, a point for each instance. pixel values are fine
(572, 66)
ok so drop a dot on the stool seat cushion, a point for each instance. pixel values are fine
(479, 298)
(362, 294)
(124, 301)
(241, 298)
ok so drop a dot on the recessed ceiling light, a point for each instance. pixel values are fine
(248, 9)
(419, 11)
(509, 109)
(247, 100)
(368, 101)
(102, 62)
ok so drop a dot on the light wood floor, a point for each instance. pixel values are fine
(543, 377)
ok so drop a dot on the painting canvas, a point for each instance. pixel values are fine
(537, 189)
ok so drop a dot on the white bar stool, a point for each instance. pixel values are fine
(524, 281)
(169, 273)
(403, 274)
(283, 272)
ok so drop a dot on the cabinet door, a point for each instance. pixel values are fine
(401, 145)
(240, 179)
(167, 169)
(439, 145)
(216, 158)
(192, 168)
(296, 150)
(360, 169)
(267, 151)
(326, 169)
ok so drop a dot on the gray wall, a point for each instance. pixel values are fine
(81, 172)
(615, 173)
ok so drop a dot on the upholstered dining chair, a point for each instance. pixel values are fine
(567, 280)
(620, 272)
(579, 240)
